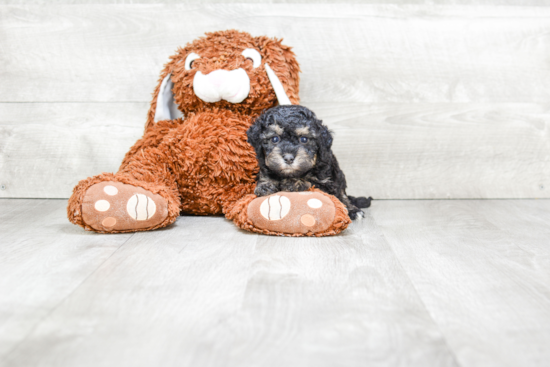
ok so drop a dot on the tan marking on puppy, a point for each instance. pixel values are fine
(303, 158)
(276, 129)
(302, 162)
(304, 130)
(274, 160)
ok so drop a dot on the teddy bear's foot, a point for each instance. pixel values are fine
(296, 213)
(116, 207)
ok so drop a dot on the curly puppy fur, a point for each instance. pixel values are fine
(294, 153)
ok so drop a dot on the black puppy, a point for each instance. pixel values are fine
(293, 151)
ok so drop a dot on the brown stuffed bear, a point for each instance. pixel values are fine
(194, 156)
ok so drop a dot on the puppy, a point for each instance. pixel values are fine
(293, 151)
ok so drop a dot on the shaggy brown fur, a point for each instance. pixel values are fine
(222, 50)
(202, 164)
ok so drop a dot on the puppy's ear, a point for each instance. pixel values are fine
(326, 136)
(324, 144)
(253, 135)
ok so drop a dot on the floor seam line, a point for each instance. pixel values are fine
(451, 350)
(15, 347)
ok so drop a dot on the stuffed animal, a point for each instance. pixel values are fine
(194, 156)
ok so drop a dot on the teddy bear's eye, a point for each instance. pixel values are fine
(303, 139)
(253, 55)
(275, 139)
(189, 60)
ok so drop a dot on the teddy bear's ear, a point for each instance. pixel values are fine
(163, 106)
(280, 92)
(282, 69)
(166, 108)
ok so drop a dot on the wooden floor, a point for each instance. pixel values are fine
(416, 283)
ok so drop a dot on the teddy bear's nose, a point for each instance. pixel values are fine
(289, 158)
(218, 77)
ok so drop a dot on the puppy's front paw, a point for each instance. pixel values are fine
(356, 214)
(265, 188)
(295, 186)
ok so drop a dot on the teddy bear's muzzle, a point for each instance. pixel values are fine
(232, 86)
(229, 85)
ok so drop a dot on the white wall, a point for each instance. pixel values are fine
(427, 101)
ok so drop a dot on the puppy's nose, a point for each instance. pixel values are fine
(289, 158)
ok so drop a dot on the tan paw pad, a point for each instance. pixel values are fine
(110, 190)
(109, 222)
(102, 205)
(140, 207)
(314, 203)
(307, 220)
(114, 206)
(275, 207)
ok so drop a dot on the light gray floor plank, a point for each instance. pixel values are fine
(43, 259)
(348, 52)
(416, 283)
(74, 141)
(203, 293)
(385, 75)
(341, 301)
(441, 150)
(396, 2)
(483, 270)
(151, 302)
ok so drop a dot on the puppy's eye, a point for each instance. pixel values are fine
(275, 139)
(189, 60)
(253, 55)
(303, 139)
